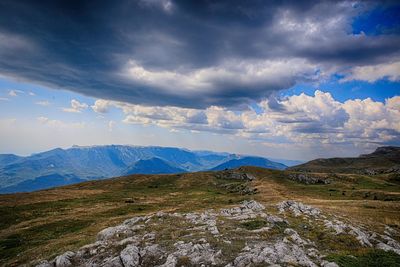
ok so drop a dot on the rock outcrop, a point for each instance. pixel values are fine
(306, 178)
(244, 235)
(234, 175)
(298, 208)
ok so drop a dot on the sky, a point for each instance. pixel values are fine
(281, 79)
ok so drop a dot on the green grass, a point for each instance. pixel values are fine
(373, 258)
(254, 224)
(342, 187)
(394, 178)
(12, 245)
(11, 215)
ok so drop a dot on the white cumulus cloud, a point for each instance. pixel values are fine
(101, 105)
(372, 73)
(76, 106)
(297, 119)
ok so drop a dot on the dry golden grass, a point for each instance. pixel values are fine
(372, 212)
(49, 195)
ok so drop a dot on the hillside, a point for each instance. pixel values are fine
(382, 160)
(97, 162)
(249, 161)
(168, 218)
(6, 159)
(152, 166)
(41, 182)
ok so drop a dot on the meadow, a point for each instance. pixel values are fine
(43, 224)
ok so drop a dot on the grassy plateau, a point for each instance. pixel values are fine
(43, 224)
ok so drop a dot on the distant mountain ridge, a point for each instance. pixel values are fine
(383, 160)
(8, 159)
(152, 166)
(249, 161)
(98, 162)
(42, 182)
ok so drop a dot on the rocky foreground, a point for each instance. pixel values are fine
(291, 234)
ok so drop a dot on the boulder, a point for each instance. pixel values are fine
(64, 260)
(308, 178)
(235, 175)
(252, 205)
(44, 263)
(247, 210)
(338, 226)
(113, 262)
(282, 252)
(115, 231)
(361, 236)
(130, 256)
(386, 247)
(298, 208)
(198, 254)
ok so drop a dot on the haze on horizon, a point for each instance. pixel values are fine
(294, 80)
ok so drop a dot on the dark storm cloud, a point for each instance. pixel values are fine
(182, 53)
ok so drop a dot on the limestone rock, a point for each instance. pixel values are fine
(295, 237)
(64, 260)
(298, 208)
(113, 262)
(253, 205)
(361, 236)
(207, 218)
(197, 254)
(386, 247)
(111, 232)
(281, 252)
(133, 221)
(140, 242)
(247, 210)
(391, 242)
(130, 256)
(336, 225)
(308, 178)
(329, 264)
(390, 231)
(235, 175)
(44, 263)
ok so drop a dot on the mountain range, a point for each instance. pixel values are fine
(249, 161)
(78, 163)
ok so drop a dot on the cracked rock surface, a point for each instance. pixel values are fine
(245, 235)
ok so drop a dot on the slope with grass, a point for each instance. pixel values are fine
(44, 224)
(383, 160)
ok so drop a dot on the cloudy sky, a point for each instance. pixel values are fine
(283, 79)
